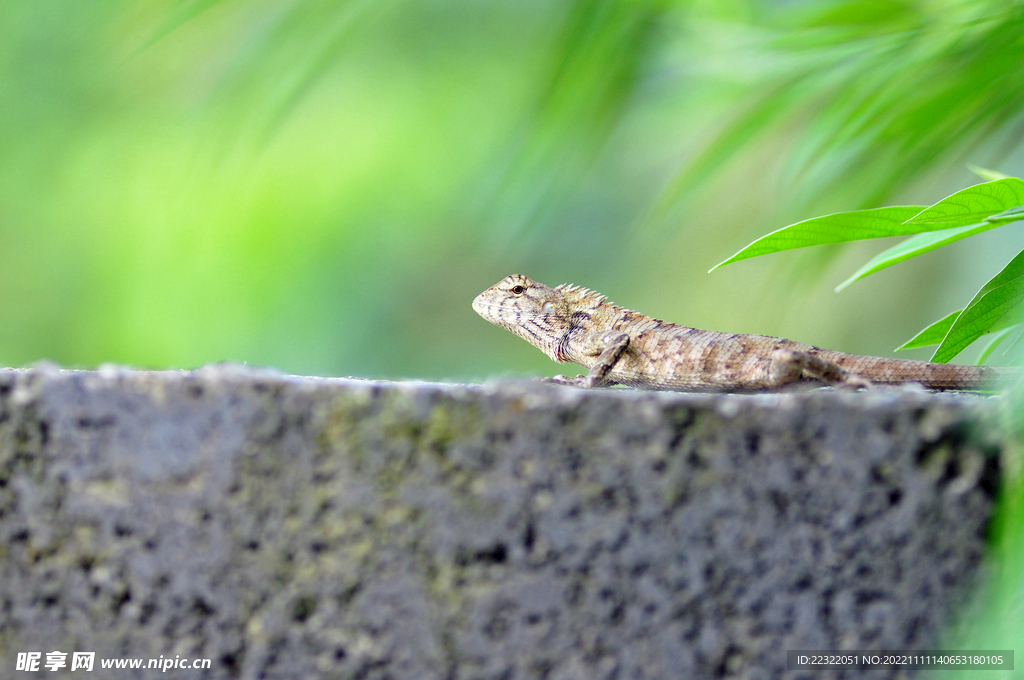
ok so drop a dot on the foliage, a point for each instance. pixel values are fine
(997, 308)
(186, 181)
(874, 93)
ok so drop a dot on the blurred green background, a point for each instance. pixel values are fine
(323, 187)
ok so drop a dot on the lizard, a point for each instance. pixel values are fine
(618, 346)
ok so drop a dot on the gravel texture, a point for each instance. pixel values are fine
(290, 527)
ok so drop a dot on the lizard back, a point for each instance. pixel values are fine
(680, 358)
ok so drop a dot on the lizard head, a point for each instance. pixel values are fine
(529, 309)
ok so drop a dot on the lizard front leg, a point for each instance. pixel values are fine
(608, 347)
(789, 365)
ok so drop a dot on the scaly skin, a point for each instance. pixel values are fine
(622, 347)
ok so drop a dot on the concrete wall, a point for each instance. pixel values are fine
(310, 528)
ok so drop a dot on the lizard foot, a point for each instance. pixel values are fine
(789, 365)
(855, 382)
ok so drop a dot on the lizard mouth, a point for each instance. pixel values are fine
(480, 304)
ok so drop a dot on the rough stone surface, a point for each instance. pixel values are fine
(323, 528)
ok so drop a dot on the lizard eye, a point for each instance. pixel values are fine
(518, 290)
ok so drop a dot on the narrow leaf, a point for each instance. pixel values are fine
(933, 334)
(836, 228)
(994, 342)
(1014, 269)
(973, 204)
(915, 245)
(996, 299)
(981, 319)
(1011, 215)
(985, 173)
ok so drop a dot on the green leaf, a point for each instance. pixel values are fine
(994, 342)
(987, 315)
(836, 228)
(987, 311)
(974, 204)
(933, 334)
(915, 245)
(985, 173)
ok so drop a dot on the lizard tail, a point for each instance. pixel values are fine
(932, 375)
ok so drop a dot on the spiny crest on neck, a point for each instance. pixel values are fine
(583, 297)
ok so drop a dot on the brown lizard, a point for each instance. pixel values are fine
(622, 347)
